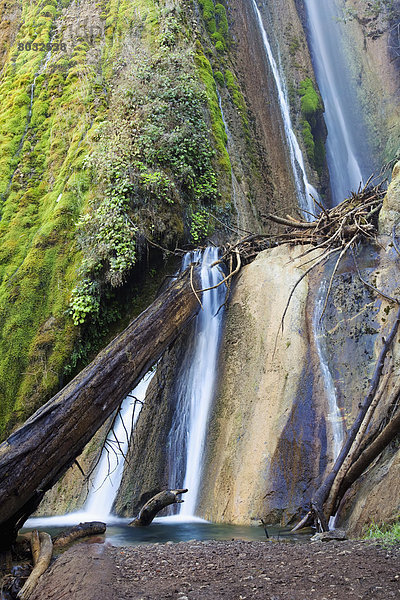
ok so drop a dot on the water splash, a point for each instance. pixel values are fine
(304, 188)
(196, 384)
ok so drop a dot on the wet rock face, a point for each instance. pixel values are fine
(271, 436)
(263, 450)
(390, 214)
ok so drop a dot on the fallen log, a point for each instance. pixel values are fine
(77, 532)
(154, 505)
(366, 458)
(35, 456)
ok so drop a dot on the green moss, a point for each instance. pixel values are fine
(311, 109)
(237, 97)
(217, 124)
(219, 78)
(221, 20)
(310, 101)
(308, 140)
(112, 150)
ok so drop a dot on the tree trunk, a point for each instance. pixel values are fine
(154, 505)
(366, 458)
(78, 532)
(39, 567)
(322, 493)
(34, 457)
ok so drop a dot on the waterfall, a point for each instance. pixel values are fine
(344, 145)
(111, 465)
(196, 384)
(334, 416)
(303, 187)
(110, 468)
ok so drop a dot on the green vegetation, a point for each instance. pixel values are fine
(237, 97)
(311, 110)
(388, 535)
(216, 23)
(201, 226)
(118, 147)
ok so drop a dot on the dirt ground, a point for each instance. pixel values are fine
(236, 570)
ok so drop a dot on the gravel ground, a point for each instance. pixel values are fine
(236, 570)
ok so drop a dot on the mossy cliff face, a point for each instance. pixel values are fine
(110, 133)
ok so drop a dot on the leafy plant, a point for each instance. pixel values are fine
(200, 225)
(84, 301)
(389, 535)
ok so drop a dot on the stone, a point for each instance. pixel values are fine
(329, 536)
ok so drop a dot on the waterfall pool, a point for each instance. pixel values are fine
(170, 529)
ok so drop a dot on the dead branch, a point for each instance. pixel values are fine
(321, 495)
(43, 561)
(155, 504)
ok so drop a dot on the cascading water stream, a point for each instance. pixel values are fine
(334, 415)
(304, 189)
(196, 384)
(345, 145)
(110, 468)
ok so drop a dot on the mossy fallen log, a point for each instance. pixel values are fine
(35, 456)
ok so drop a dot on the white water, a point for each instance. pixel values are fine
(110, 468)
(334, 416)
(196, 384)
(341, 118)
(109, 472)
(304, 188)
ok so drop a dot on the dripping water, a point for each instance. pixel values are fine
(304, 189)
(196, 384)
(40, 71)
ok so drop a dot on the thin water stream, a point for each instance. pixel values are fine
(41, 69)
(304, 188)
(109, 471)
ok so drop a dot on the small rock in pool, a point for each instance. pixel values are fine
(328, 536)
